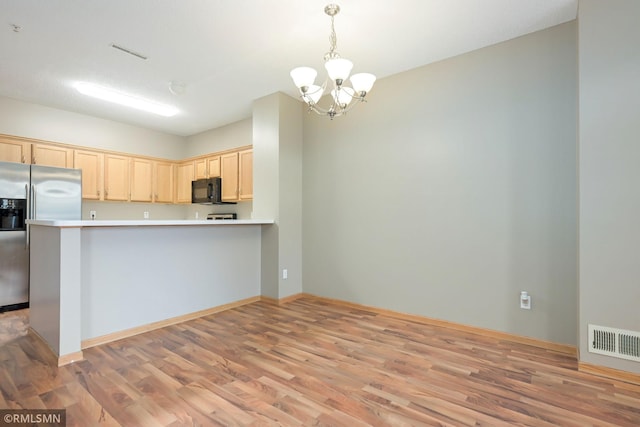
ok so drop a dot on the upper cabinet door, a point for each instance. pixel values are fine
(163, 182)
(185, 175)
(200, 168)
(207, 167)
(51, 155)
(229, 174)
(14, 151)
(141, 180)
(213, 166)
(116, 177)
(92, 165)
(245, 174)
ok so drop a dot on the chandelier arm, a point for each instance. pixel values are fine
(323, 87)
(335, 109)
(351, 105)
(312, 106)
(356, 96)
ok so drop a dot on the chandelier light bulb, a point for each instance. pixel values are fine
(338, 71)
(303, 76)
(362, 83)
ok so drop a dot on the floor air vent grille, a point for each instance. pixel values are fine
(614, 342)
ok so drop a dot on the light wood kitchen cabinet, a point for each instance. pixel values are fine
(200, 169)
(236, 170)
(213, 166)
(185, 174)
(92, 165)
(245, 175)
(116, 177)
(163, 182)
(141, 180)
(122, 177)
(229, 174)
(14, 151)
(51, 155)
(207, 167)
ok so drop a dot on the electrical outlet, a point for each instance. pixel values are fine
(92, 214)
(285, 273)
(146, 214)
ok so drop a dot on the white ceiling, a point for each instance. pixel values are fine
(231, 52)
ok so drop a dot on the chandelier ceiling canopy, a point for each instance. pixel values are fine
(343, 97)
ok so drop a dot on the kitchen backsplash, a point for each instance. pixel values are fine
(242, 209)
(134, 211)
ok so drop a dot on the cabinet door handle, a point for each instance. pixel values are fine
(23, 159)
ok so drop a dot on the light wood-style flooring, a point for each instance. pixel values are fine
(309, 363)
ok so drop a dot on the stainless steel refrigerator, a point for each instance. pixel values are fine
(30, 192)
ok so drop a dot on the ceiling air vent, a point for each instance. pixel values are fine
(129, 51)
(614, 342)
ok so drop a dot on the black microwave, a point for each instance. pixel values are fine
(208, 191)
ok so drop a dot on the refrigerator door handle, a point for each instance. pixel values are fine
(34, 202)
(28, 199)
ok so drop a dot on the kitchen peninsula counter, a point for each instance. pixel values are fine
(146, 222)
(97, 281)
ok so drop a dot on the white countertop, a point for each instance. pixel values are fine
(146, 222)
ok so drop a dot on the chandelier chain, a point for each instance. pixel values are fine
(333, 42)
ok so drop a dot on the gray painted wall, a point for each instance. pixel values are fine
(156, 273)
(234, 135)
(290, 177)
(453, 189)
(277, 176)
(133, 210)
(266, 190)
(609, 170)
(50, 124)
(44, 286)
(55, 287)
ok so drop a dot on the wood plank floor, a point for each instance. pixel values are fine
(309, 363)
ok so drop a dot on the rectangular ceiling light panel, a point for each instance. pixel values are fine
(121, 98)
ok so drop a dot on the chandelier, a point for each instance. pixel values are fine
(343, 98)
